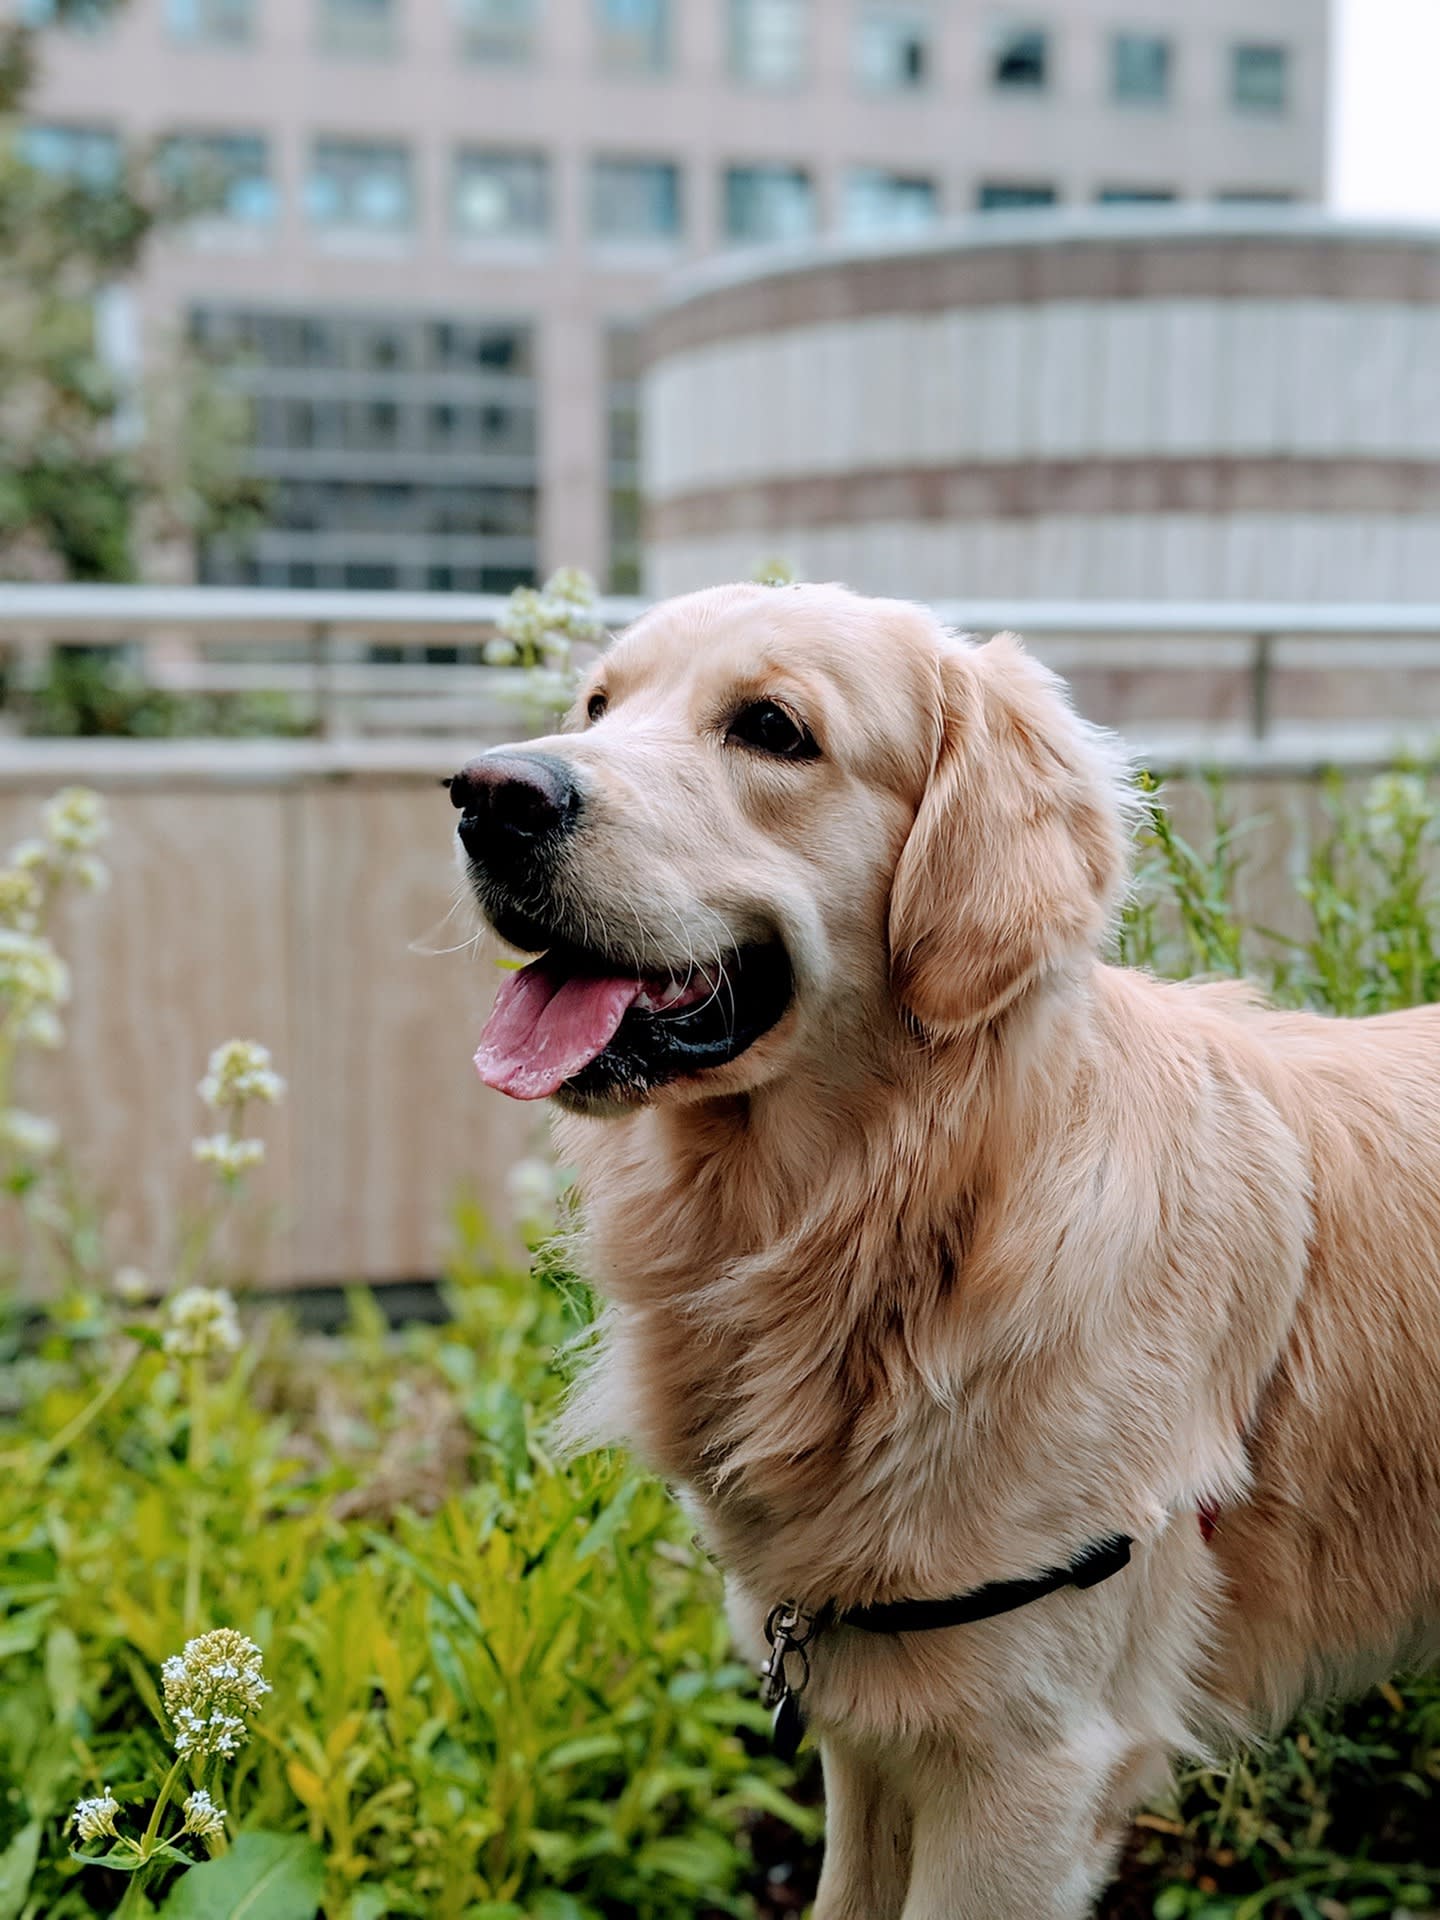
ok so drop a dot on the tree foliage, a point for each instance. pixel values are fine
(93, 471)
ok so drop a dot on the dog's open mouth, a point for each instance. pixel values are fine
(580, 1023)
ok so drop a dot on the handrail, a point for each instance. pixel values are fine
(332, 630)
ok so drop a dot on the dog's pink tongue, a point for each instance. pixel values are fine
(544, 1027)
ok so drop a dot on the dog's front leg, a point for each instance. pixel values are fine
(867, 1838)
(1007, 1836)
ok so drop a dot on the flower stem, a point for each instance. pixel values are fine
(40, 1464)
(147, 1839)
(198, 1461)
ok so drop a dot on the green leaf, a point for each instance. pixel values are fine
(264, 1876)
(17, 1869)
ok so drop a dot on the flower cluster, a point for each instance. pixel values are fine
(34, 982)
(1397, 806)
(75, 824)
(29, 1135)
(774, 572)
(95, 1819)
(239, 1071)
(209, 1690)
(202, 1816)
(539, 626)
(201, 1324)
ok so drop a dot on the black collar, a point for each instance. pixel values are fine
(790, 1628)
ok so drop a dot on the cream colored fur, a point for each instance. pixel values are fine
(991, 1249)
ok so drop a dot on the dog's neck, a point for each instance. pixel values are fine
(786, 1270)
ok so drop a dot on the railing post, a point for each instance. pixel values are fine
(1260, 670)
(322, 662)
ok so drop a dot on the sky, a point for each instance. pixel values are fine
(1386, 103)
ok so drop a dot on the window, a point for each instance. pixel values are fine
(223, 23)
(357, 26)
(360, 185)
(1140, 69)
(225, 175)
(81, 16)
(80, 155)
(635, 200)
(892, 45)
(880, 202)
(1256, 197)
(634, 34)
(1000, 196)
(1260, 78)
(769, 41)
(501, 196)
(405, 458)
(499, 30)
(1134, 196)
(1019, 59)
(768, 203)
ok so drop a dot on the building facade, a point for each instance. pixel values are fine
(433, 227)
(1240, 404)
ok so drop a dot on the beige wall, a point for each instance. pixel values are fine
(133, 78)
(1250, 410)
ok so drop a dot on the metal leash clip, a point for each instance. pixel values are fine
(789, 1629)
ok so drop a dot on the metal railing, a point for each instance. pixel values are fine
(317, 648)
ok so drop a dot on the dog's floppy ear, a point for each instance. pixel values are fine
(1018, 851)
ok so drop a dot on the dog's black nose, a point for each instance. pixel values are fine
(509, 801)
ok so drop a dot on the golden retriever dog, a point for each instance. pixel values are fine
(938, 1251)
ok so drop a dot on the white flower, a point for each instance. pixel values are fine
(501, 653)
(131, 1285)
(240, 1070)
(20, 898)
(226, 1154)
(201, 1322)
(541, 625)
(28, 1134)
(32, 974)
(209, 1688)
(95, 1819)
(202, 1816)
(31, 856)
(75, 820)
(1397, 803)
(533, 1186)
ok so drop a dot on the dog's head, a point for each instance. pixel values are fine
(782, 823)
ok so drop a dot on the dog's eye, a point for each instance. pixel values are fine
(771, 729)
(595, 706)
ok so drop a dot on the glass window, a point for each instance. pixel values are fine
(500, 30)
(880, 202)
(359, 184)
(1140, 68)
(84, 156)
(634, 34)
(1134, 196)
(769, 41)
(635, 200)
(225, 175)
(769, 203)
(81, 16)
(1260, 78)
(1019, 59)
(501, 195)
(892, 45)
(1256, 197)
(996, 196)
(357, 26)
(227, 23)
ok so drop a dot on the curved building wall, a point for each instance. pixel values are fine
(1243, 406)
